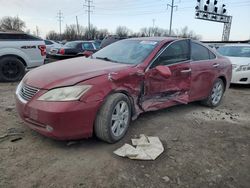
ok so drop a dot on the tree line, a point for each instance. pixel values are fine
(78, 32)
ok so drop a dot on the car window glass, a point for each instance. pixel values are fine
(199, 52)
(235, 51)
(97, 45)
(71, 44)
(17, 36)
(87, 46)
(176, 52)
(127, 51)
(211, 55)
(47, 42)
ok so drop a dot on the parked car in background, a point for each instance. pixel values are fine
(74, 49)
(18, 52)
(102, 94)
(239, 55)
(110, 39)
(51, 44)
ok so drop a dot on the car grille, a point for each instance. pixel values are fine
(27, 92)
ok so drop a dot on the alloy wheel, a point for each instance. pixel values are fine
(120, 118)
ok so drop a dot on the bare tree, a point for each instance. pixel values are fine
(102, 33)
(91, 33)
(12, 24)
(52, 35)
(153, 31)
(70, 32)
(185, 33)
(122, 31)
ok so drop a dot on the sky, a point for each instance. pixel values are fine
(133, 14)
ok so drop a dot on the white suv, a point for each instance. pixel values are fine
(19, 52)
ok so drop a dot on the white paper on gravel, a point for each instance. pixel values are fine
(146, 148)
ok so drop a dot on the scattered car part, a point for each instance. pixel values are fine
(146, 148)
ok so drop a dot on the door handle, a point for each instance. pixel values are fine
(186, 70)
(216, 65)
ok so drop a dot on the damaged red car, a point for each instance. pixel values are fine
(100, 95)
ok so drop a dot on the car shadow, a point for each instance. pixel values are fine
(240, 86)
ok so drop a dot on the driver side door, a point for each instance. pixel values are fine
(161, 91)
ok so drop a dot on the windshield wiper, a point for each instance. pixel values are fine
(106, 59)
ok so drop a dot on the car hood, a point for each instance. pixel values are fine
(69, 72)
(239, 60)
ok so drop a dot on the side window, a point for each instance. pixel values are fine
(87, 46)
(17, 36)
(176, 52)
(211, 55)
(199, 52)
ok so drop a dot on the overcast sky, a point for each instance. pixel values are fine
(134, 14)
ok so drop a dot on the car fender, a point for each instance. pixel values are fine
(131, 87)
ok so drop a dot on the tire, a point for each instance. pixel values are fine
(216, 95)
(113, 118)
(11, 69)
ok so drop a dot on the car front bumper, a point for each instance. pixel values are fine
(241, 77)
(59, 120)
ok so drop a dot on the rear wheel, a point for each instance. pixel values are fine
(216, 94)
(113, 119)
(11, 69)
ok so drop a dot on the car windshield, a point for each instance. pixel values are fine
(127, 51)
(235, 51)
(71, 44)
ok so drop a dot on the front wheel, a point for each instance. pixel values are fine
(216, 95)
(11, 69)
(113, 119)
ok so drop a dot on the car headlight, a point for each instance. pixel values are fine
(71, 93)
(243, 68)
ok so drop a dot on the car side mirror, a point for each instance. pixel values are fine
(163, 71)
(87, 53)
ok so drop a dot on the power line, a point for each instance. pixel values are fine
(172, 6)
(60, 19)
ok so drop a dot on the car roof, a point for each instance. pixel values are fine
(13, 33)
(80, 41)
(157, 39)
(236, 45)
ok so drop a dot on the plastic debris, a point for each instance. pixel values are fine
(144, 148)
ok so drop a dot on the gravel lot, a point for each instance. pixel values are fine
(203, 148)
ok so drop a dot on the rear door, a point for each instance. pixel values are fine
(205, 68)
(161, 92)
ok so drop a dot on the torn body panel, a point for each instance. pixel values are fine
(128, 82)
(161, 92)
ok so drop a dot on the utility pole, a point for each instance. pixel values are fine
(153, 27)
(172, 6)
(60, 18)
(77, 25)
(89, 7)
(37, 31)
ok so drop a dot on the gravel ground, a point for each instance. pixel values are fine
(203, 148)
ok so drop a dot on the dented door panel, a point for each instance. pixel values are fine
(160, 92)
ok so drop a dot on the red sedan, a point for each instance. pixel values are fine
(79, 97)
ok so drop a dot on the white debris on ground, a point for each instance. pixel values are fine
(146, 148)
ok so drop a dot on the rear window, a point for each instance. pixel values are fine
(71, 44)
(17, 36)
(235, 51)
